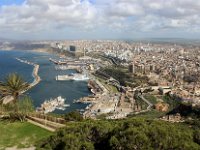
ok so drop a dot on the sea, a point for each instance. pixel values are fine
(48, 86)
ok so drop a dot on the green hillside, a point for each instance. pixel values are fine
(128, 134)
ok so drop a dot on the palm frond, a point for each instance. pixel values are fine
(13, 85)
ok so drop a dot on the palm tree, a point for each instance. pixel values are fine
(13, 85)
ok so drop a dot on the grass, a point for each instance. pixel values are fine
(151, 98)
(111, 88)
(153, 114)
(20, 134)
(114, 89)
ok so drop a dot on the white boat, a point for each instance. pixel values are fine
(60, 108)
(61, 67)
(63, 77)
(66, 105)
(75, 77)
(80, 77)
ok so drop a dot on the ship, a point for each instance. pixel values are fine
(80, 77)
(63, 77)
(75, 77)
(53, 104)
(61, 67)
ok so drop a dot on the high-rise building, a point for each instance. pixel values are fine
(132, 68)
(72, 48)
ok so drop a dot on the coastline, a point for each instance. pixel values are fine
(29, 50)
(41, 50)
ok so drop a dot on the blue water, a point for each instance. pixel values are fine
(48, 87)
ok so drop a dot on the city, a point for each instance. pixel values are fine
(99, 75)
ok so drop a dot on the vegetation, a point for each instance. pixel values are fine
(110, 87)
(25, 105)
(133, 133)
(18, 110)
(195, 125)
(117, 74)
(172, 100)
(20, 134)
(128, 134)
(73, 116)
(13, 85)
(191, 78)
(149, 114)
(139, 102)
(123, 76)
(186, 110)
(151, 98)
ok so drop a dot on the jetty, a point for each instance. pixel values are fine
(35, 75)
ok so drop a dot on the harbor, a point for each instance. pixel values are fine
(94, 104)
(47, 71)
(68, 89)
(81, 67)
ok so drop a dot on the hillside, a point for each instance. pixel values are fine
(128, 134)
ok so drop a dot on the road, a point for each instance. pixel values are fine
(149, 103)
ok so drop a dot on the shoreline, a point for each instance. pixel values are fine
(35, 75)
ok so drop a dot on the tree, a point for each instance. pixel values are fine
(73, 116)
(25, 105)
(20, 110)
(197, 136)
(13, 85)
(127, 134)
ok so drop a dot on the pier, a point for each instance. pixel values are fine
(37, 78)
(35, 75)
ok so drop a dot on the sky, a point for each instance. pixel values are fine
(99, 19)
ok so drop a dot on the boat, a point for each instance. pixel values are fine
(61, 108)
(75, 77)
(81, 110)
(66, 105)
(61, 67)
(63, 77)
(80, 77)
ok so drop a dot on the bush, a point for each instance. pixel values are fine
(197, 136)
(191, 78)
(73, 116)
(128, 134)
(18, 110)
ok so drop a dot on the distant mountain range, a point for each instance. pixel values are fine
(6, 44)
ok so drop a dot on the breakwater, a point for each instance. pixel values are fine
(35, 75)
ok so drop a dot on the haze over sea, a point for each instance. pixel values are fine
(48, 87)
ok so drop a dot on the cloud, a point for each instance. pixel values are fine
(120, 15)
(38, 15)
(154, 15)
